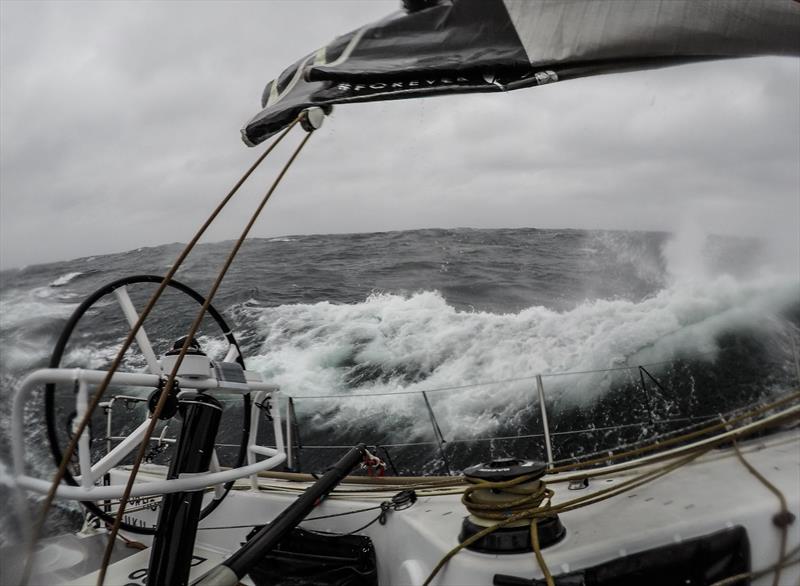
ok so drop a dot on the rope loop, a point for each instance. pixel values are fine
(484, 499)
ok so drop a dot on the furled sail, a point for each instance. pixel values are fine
(453, 46)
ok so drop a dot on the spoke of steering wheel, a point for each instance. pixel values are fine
(170, 381)
(232, 354)
(73, 443)
(142, 340)
(219, 489)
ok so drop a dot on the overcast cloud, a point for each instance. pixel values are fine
(120, 125)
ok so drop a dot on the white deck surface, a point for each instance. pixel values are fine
(712, 493)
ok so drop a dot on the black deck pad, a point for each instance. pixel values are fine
(318, 559)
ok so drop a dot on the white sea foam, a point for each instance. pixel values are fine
(419, 342)
(310, 349)
(95, 356)
(629, 252)
(215, 347)
(64, 279)
(18, 307)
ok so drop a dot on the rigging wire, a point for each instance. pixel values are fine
(83, 424)
(399, 502)
(179, 359)
(246, 526)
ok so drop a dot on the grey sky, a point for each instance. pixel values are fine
(120, 128)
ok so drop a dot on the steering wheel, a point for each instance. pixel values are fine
(119, 289)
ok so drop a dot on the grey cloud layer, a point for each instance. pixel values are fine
(120, 129)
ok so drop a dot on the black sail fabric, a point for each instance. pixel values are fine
(456, 46)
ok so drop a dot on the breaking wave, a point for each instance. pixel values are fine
(26, 318)
(64, 279)
(361, 316)
(398, 343)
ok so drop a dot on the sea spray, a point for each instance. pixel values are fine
(392, 343)
(450, 312)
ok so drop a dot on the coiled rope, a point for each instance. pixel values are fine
(537, 512)
(532, 502)
(545, 508)
(532, 492)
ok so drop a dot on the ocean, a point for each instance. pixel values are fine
(633, 333)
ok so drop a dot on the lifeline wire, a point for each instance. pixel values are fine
(170, 381)
(794, 396)
(84, 422)
(452, 482)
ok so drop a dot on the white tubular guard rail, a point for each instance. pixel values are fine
(88, 491)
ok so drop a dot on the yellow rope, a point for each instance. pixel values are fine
(784, 518)
(530, 500)
(536, 512)
(538, 553)
(529, 496)
(689, 454)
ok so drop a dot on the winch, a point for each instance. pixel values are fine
(195, 363)
(505, 488)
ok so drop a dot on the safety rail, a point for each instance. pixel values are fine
(638, 373)
(440, 442)
(86, 489)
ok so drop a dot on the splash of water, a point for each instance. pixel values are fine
(393, 343)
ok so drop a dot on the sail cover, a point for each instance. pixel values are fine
(454, 46)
